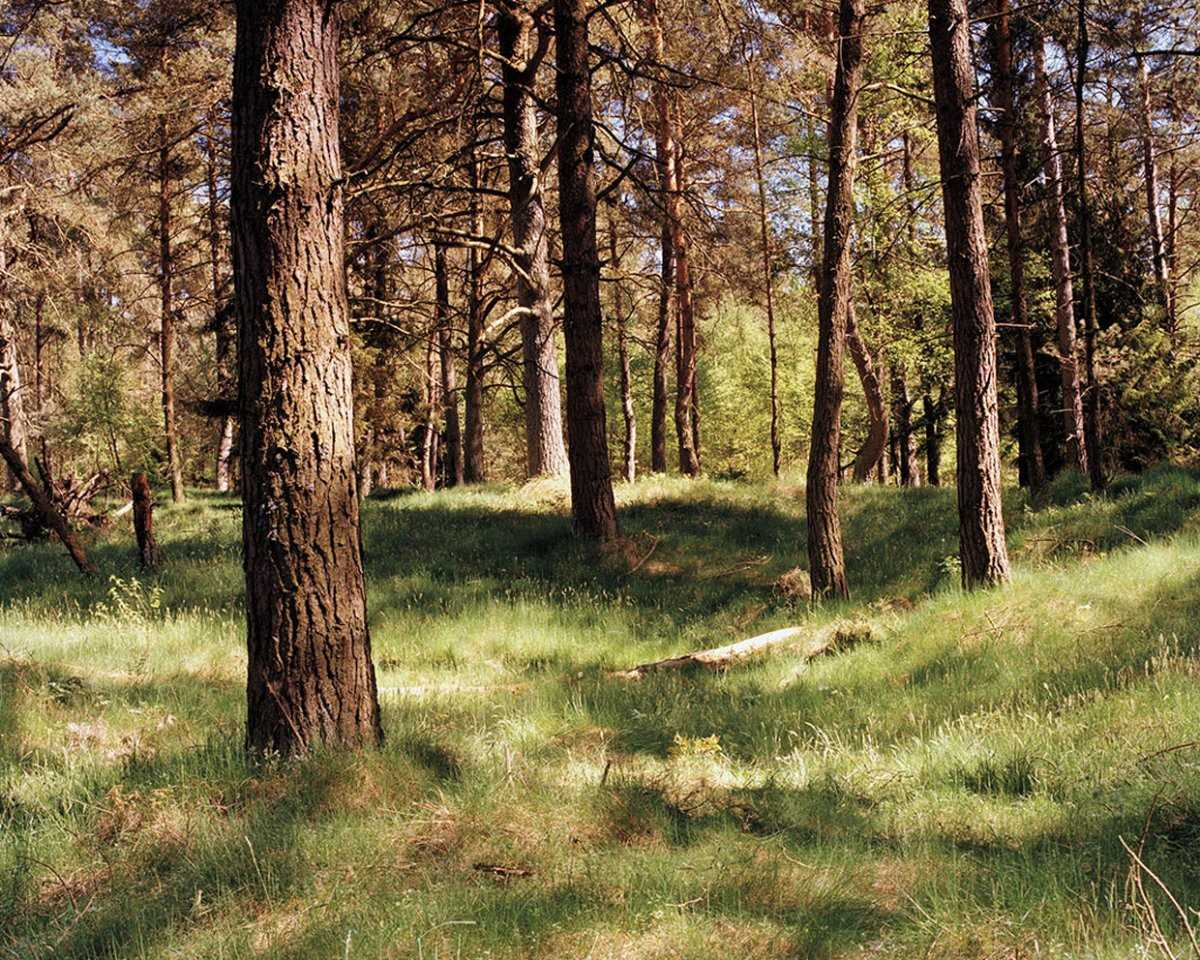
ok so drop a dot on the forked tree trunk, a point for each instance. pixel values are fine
(686, 415)
(982, 547)
(452, 436)
(546, 456)
(1091, 396)
(664, 150)
(592, 506)
(872, 453)
(311, 682)
(166, 337)
(629, 446)
(1028, 431)
(827, 566)
(1060, 266)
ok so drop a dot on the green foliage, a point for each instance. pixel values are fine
(104, 421)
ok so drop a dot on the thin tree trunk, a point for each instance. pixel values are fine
(629, 446)
(545, 453)
(1091, 397)
(827, 566)
(166, 338)
(310, 679)
(1060, 265)
(686, 416)
(933, 439)
(593, 508)
(983, 551)
(12, 406)
(871, 454)
(451, 434)
(906, 440)
(764, 230)
(474, 461)
(1162, 278)
(226, 376)
(664, 149)
(1028, 431)
(429, 432)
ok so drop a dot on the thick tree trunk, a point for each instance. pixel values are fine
(686, 414)
(764, 230)
(1091, 397)
(166, 337)
(451, 434)
(545, 453)
(143, 521)
(983, 551)
(52, 517)
(629, 445)
(827, 566)
(592, 506)
(311, 682)
(871, 454)
(1060, 265)
(1028, 430)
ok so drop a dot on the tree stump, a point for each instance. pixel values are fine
(143, 521)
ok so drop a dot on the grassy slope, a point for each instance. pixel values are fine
(956, 789)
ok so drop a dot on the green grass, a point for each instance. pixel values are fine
(957, 787)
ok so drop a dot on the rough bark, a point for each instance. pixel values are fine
(686, 414)
(1060, 265)
(545, 453)
(166, 335)
(764, 230)
(872, 452)
(52, 517)
(451, 432)
(1028, 431)
(629, 444)
(826, 563)
(982, 547)
(143, 521)
(664, 153)
(592, 506)
(311, 682)
(1091, 396)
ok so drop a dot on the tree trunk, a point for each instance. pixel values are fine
(1028, 431)
(827, 566)
(1091, 397)
(933, 439)
(311, 682)
(226, 376)
(1060, 264)
(629, 446)
(686, 429)
(871, 454)
(474, 462)
(983, 551)
(906, 440)
(12, 406)
(1162, 278)
(432, 398)
(51, 515)
(545, 452)
(166, 338)
(664, 150)
(764, 230)
(143, 521)
(452, 437)
(592, 506)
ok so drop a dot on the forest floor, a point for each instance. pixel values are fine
(960, 784)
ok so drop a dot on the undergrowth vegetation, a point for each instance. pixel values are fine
(963, 782)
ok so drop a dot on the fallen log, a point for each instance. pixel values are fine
(837, 636)
(46, 507)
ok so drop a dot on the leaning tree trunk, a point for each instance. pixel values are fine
(827, 566)
(1060, 265)
(1091, 398)
(52, 517)
(311, 680)
(592, 505)
(871, 454)
(983, 551)
(1028, 431)
(451, 432)
(545, 453)
(166, 337)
